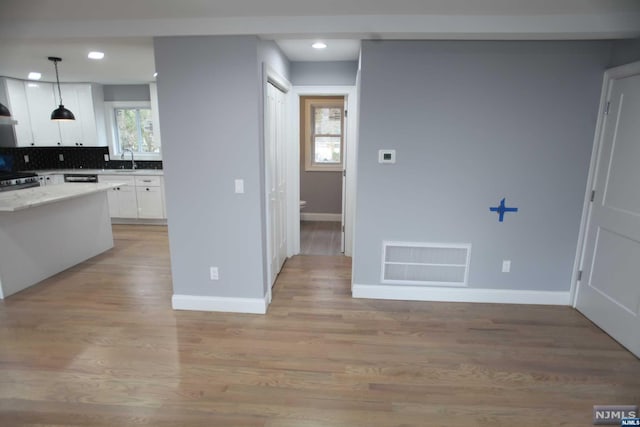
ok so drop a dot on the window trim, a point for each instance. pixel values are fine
(114, 148)
(309, 103)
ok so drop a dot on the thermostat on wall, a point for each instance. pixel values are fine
(386, 156)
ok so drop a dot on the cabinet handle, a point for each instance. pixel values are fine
(59, 143)
(147, 189)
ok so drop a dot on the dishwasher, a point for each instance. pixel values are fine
(80, 177)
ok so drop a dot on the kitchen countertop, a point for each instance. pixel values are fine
(156, 172)
(11, 201)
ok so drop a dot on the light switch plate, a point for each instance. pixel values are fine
(239, 184)
(26, 158)
(386, 156)
(61, 157)
(506, 265)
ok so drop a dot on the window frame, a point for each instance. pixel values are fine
(112, 132)
(308, 125)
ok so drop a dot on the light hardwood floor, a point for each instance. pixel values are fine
(320, 238)
(98, 345)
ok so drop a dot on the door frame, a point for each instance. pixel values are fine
(271, 76)
(609, 76)
(350, 150)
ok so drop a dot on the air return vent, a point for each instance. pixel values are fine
(428, 264)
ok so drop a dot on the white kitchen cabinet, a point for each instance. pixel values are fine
(41, 103)
(32, 103)
(122, 199)
(149, 202)
(17, 104)
(141, 198)
(71, 131)
(52, 179)
(149, 195)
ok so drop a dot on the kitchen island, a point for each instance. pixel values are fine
(45, 230)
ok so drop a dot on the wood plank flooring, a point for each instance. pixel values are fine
(320, 238)
(98, 345)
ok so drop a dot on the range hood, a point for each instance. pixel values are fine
(7, 121)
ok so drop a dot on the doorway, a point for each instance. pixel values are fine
(322, 155)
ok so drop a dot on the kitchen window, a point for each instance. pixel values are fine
(323, 137)
(134, 130)
(133, 125)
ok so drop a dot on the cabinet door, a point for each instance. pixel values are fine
(88, 115)
(128, 202)
(19, 108)
(149, 202)
(40, 98)
(114, 202)
(71, 131)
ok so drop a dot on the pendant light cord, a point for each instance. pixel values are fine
(55, 64)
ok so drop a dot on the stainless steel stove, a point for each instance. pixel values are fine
(18, 180)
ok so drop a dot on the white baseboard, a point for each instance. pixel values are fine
(498, 296)
(310, 216)
(224, 304)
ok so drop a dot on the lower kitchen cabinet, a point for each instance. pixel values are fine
(51, 179)
(149, 202)
(141, 197)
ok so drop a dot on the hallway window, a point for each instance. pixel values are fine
(323, 125)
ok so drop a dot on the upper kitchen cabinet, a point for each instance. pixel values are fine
(16, 98)
(36, 100)
(40, 104)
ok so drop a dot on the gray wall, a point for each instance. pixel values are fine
(625, 52)
(126, 93)
(330, 73)
(209, 92)
(473, 122)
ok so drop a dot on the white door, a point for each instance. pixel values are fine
(609, 291)
(276, 179)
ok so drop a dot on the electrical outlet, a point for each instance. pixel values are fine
(213, 273)
(106, 157)
(61, 157)
(506, 265)
(26, 158)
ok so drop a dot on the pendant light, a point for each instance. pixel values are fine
(60, 113)
(4, 111)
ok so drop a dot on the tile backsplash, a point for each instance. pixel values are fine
(72, 158)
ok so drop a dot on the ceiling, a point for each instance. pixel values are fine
(124, 29)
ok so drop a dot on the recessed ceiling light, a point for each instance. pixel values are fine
(319, 45)
(34, 76)
(96, 55)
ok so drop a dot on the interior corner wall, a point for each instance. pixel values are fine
(625, 51)
(209, 103)
(126, 93)
(472, 123)
(324, 73)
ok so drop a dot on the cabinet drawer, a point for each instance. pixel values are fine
(125, 179)
(148, 181)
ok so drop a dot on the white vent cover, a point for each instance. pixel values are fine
(431, 264)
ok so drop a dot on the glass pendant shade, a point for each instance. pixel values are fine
(62, 113)
(4, 111)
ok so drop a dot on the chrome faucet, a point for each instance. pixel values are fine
(133, 162)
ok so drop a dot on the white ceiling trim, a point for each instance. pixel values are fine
(539, 27)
